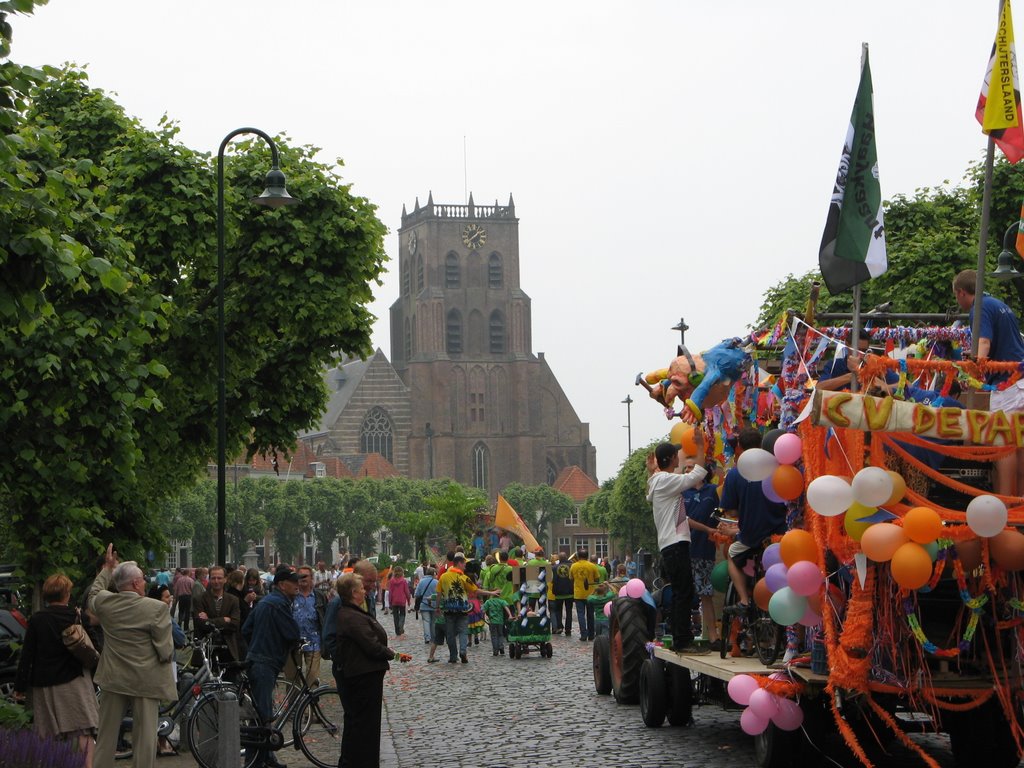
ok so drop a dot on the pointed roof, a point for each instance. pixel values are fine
(369, 465)
(574, 483)
(342, 382)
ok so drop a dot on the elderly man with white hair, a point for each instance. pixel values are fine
(135, 666)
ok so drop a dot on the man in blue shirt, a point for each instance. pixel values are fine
(272, 635)
(758, 517)
(308, 608)
(999, 340)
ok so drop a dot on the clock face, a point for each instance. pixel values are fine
(474, 236)
(412, 242)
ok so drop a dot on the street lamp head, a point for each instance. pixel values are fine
(275, 195)
(1006, 269)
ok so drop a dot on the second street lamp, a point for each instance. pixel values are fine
(274, 195)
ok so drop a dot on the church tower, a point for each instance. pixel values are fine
(486, 410)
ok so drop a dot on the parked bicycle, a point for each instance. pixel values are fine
(747, 629)
(315, 716)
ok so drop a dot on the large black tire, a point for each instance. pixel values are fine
(630, 635)
(776, 748)
(653, 693)
(680, 694)
(602, 665)
(982, 736)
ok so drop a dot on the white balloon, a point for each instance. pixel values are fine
(986, 515)
(872, 486)
(829, 495)
(756, 464)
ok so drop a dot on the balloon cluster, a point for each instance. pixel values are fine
(791, 587)
(763, 706)
(634, 588)
(772, 466)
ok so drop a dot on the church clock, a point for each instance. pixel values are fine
(474, 236)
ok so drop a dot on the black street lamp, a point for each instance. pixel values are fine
(274, 196)
(1008, 259)
(629, 426)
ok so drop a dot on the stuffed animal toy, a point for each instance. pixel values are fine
(701, 381)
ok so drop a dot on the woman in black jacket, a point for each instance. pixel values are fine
(361, 657)
(63, 700)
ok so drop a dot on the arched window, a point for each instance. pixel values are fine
(552, 473)
(495, 273)
(453, 333)
(407, 341)
(452, 271)
(497, 333)
(406, 266)
(377, 435)
(419, 273)
(481, 462)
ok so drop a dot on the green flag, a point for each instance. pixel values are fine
(853, 244)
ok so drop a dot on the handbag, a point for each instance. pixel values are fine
(77, 641)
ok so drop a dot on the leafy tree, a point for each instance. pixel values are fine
(621, 505)
(457, 508)
(108, 310)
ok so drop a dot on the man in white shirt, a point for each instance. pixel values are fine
(664, 491)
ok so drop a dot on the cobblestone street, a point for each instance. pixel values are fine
(533, 713)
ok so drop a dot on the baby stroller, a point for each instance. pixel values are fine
(531, 628)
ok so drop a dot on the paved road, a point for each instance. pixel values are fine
(533, 713)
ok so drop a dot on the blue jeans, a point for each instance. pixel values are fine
(456, 627)
(585, 618)
(427, 617)
(497, 636)
(262, 679)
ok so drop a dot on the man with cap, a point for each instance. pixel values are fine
(272, 634)
(664, 491)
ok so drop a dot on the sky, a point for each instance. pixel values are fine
(669, 159)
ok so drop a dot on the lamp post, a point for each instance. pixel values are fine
(274, 196)
(629, 426)
(1008, 259)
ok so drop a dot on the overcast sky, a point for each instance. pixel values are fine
(668, 159)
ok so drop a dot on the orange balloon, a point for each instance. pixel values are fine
(682, 435)
(911, 566)
(762, 594)
(881, 541)
(899, 488)
(1007, 549)
(788, 482)
(969, 552)
(922, 524)
(798, 545)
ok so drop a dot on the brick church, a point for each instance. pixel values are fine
(463, 395)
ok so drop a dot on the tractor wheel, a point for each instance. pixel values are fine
(602, 666)
(629, 638)
(653, 693)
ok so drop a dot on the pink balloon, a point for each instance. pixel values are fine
(752, 723)
(622, 591)
(764, 704)
(804, 578)
(608, 609)
(635, 588)
(788, 448)
(740, 688)
(810, 618)
(775, 577)
(790, 716)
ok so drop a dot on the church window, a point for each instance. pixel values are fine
(407, 340)
(476, 407)
(497, 331)
(419, 272)
(552, 473)
(377, 434)
(481, 459)
(453, 333)
(452, 271)
(406, 266)
(495, 274)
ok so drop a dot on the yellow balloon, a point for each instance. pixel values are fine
(852, 520)
(682, 434)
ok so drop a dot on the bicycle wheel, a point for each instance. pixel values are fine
(768, 637)
(285, 691)
(202, 732)
(319, 720)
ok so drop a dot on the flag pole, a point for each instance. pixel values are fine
(855, 333)
(986, 204)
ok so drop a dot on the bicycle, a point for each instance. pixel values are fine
(316, 718)
(748, 625)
